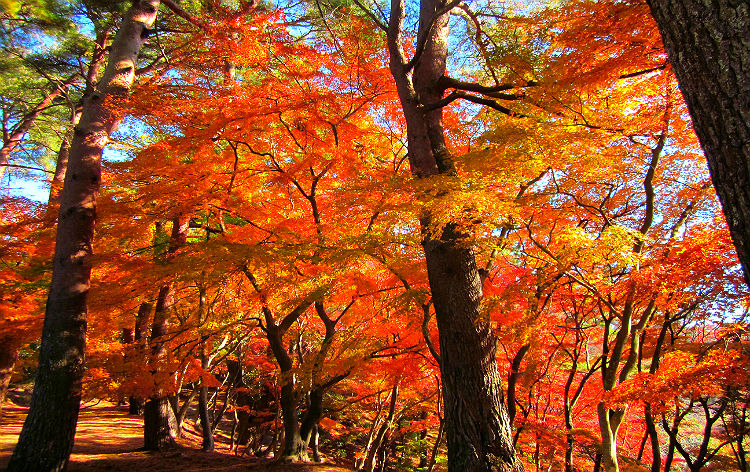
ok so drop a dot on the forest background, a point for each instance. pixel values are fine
(264, 217)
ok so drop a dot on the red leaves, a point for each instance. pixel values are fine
(684, 375)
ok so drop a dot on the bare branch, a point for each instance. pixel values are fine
(18, 166)
(455, 95)
(380, 24)
(493, 91)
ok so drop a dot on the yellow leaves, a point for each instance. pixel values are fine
(614, 245)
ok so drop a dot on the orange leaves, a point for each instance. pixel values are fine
(195, 372)
(684, 375)
(332, 427)
(604, 40)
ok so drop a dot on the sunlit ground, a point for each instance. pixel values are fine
(108, 439)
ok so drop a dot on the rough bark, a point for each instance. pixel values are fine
(48, 432)
(477, 425)
(159, 424)
(294, 447)
(708, 44)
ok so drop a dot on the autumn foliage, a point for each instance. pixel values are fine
(268, 186)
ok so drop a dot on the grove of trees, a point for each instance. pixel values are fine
(410, 236)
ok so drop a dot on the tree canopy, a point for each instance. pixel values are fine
(408, 235)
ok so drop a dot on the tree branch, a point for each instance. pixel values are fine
(177, 10)
(455, 95)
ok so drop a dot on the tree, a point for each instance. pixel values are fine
(477, 425)
(707, 47)
(47, 435)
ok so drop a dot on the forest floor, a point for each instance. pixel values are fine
(108, 439)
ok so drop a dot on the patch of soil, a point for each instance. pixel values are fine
(108, 439)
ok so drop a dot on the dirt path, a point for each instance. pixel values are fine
(107, 439)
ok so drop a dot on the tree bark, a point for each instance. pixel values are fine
(707, 44)
(478, 429)
(207, 431)
(159, 424)
(136, 404)
(8, 356)
(48, 432)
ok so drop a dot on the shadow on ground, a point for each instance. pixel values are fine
(108, 440)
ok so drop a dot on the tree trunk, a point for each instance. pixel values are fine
(707, 44)
(48, 432)
(206, 426)
(312, 415)
(370, 461)
(294, 448)
(136, 404)
(8, 356)
(436, 446)
(477, 425)
(183, 410)
(314, 443)
(159, 424)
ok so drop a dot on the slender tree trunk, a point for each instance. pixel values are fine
(314, 443)
(61, 165)
(707, 44)
(312, 415)
(47, 435)
(436, 446)
(8, 356)
(206, 426)
(478, 429)
(206, 431)
(513, 375)
(182, 411)
(139, 337)
(654, 438)
(159, 422)
(377, 444)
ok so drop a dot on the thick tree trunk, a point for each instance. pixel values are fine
(159, 424)
(707, 44)
(294, 448)
(477, 425)
(47, 435)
